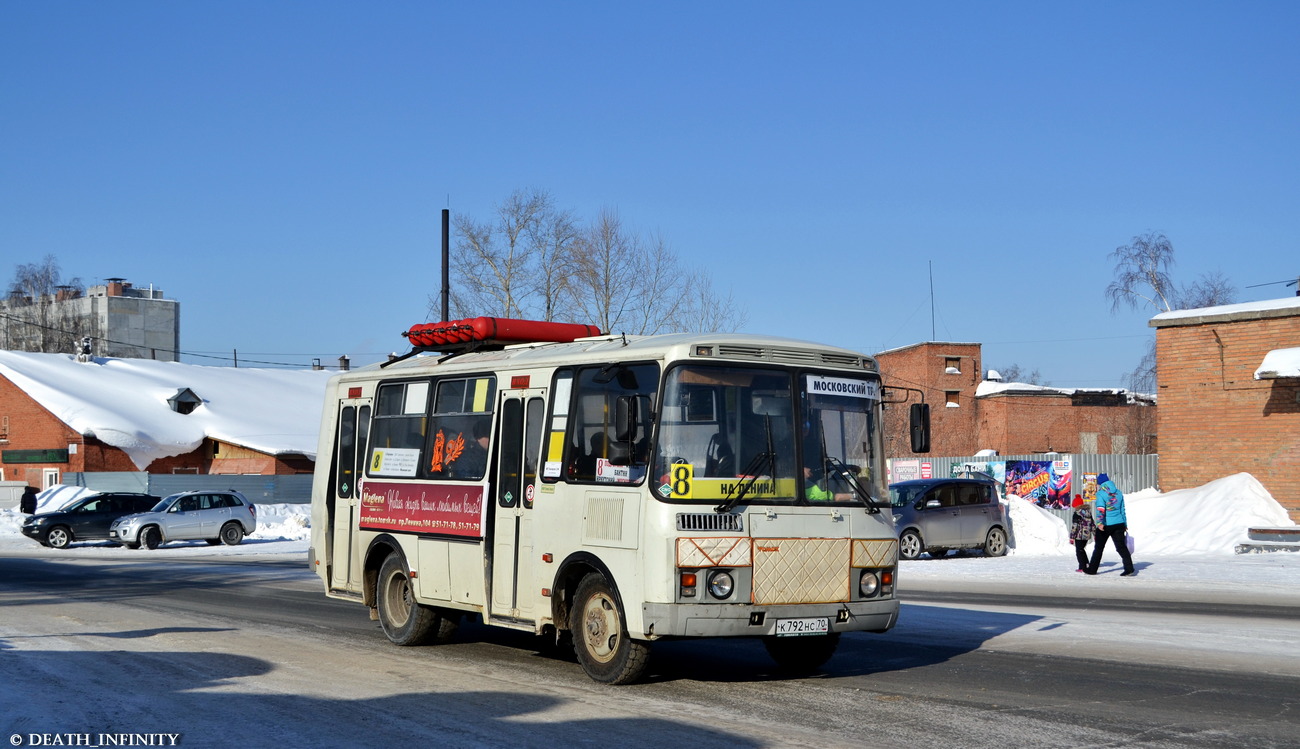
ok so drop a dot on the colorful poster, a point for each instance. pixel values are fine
(1089, 487)
(1029, 479)
(1058, 492)
(442, 509)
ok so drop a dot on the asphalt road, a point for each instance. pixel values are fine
(248, 652)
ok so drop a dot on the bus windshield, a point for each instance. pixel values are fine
(842, 439)
(777, 438)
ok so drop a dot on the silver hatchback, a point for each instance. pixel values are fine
(216, 517)
(935, 515)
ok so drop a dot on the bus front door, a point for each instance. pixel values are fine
(345, 495)
(519, 443)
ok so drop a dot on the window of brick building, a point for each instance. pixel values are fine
(1088, 443)
(1119, 444)
(952, 398)
(952, 365)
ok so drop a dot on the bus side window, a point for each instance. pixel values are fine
(599, 448)
(553, 452)
(461, 428)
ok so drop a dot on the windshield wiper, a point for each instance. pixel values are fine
(847, 475)
(751, 474)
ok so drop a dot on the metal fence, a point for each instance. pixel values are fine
(288, 489)
(1130, 473)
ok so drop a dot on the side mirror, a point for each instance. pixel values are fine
(932, 504)
(626, 418)
(629, 443)
(920, 427)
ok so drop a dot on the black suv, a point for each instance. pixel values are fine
(85, 519)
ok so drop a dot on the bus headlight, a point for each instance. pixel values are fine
(721, 584)
(868, 584)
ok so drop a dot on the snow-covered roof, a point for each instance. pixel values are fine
(993, 387)
(1282, 362)
(124, 403)
(1284, 307)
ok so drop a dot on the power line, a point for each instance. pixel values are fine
(173, 352)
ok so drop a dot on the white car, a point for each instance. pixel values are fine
(216, 517)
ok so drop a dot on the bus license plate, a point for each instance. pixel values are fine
(795, 627)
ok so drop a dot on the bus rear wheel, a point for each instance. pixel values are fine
(402, 619)
(600, 638)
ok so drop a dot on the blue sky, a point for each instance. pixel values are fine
(280, 167)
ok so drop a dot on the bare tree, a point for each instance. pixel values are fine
(553, 237)
(606, 275)
(708, 312)
(35, 315)
(1014, 373)
(1210, 290)
(494, 261)
(1142, 276)
(535, 260)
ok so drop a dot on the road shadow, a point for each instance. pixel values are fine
(924, 636)
(211, 700)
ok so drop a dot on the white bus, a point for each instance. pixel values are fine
(615, 489)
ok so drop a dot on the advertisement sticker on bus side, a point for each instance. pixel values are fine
(423, 508)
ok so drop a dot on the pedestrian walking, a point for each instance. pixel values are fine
(1112, 524)
(1081, 531)
(27, 505)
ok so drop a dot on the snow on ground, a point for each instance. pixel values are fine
(1185, 541)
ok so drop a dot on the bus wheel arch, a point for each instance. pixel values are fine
(567, 578)
(380, 548)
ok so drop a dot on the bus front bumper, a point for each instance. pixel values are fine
(748, 620)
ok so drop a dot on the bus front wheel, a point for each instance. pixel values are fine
(403, 620)
(600, 638)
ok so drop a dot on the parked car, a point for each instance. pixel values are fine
(216, 517)
(84, 519)
(935, 515)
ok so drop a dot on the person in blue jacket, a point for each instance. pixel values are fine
(1112, 524)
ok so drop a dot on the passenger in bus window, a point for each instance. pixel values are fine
(473, 463)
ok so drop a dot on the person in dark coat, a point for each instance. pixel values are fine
(27, 505)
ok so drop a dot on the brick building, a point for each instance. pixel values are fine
(1222, 411)
(58, 414)
(969, 413)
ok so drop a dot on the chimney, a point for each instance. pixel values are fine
(115, 286)
(344, 363)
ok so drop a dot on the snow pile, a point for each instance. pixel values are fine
(1035, 531)
(123, 403)
(283, 522)
(1210, 519)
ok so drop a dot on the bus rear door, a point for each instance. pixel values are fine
(345, 495)
(519, 443)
